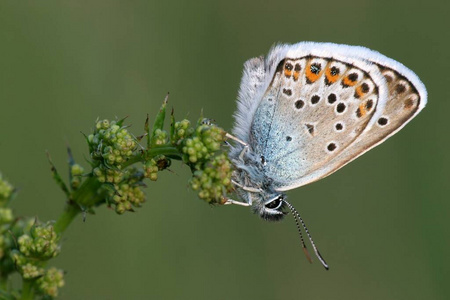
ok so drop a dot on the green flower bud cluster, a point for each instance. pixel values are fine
(205, 140)
(201, 149)
(50, 282)
(6, 216)
(127, 196)
(9, 231)
(26, 268)
(106, 175)
(213, 180)
(181, 130)
(76, 171)
(41, 242)
(151, 170)
(111, 144)
(128, 193)
(25, 247)
(36, 245)
(6, 190)
(152, 166)
(160, 137)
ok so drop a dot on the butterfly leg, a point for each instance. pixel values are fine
(230, 201)
(246, 188)
(241, 156)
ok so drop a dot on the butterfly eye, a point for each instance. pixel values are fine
(275, 204)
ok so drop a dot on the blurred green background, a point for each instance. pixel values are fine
(381, 222)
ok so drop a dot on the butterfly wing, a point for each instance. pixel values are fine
(319, 106)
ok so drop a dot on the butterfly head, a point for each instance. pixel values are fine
(269, 206)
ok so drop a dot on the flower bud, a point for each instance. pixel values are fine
(6, 190)
(50, 282)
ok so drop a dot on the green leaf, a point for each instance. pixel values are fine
(172, 126)
(147, 130)
(159, 121)
(58, 179)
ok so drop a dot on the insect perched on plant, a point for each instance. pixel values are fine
(308, 109)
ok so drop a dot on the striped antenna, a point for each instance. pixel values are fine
(297, 218)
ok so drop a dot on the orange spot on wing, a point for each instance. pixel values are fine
(312, 77)
(297, 69)
(330, 77)
(348, 82)
(362, 109)
(359, 92)
(287, 72)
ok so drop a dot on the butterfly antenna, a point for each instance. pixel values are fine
(298, 218)
(305, 250)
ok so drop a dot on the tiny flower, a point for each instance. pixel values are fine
(76, 171)
(30, 271)
(181, 130)
(151, 170)
(6, 215)
(50, 282)
(204, 141)
(160, 137)
(6, 190)
(41, 242)
(105, 175)
(111, 144)
(213, 179)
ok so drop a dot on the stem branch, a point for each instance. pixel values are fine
(64, 220)
(27, 290)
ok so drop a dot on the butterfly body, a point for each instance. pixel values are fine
(308, 109)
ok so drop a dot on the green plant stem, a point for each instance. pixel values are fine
(70, 212)
(3, 283)
(27, 290)
(166, 150)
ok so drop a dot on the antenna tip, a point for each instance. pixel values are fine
(308, 257)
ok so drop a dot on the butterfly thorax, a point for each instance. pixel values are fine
(252, 186)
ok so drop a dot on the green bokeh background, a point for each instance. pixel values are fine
(381, 222)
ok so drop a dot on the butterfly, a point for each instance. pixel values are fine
(308, 109)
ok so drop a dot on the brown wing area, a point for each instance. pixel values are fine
(402, 105)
